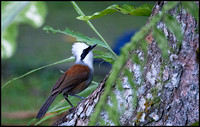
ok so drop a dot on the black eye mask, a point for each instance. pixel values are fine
(86, 51)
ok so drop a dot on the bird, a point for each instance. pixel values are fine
(76, 79)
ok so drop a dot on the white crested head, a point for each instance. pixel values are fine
(77, 50)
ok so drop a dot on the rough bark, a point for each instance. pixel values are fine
(169, 94)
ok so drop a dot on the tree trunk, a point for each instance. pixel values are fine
(169, 94)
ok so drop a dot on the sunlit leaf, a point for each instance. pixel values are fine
(102, 122)
(144, 10)
(8, 44)
(12, 14)
(34, 14)
(169, 5)
(9, 11)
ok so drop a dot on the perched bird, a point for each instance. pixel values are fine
(75, 79)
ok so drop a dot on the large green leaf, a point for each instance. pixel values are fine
(34, 14)
(14, 13)
(78, 36)
(108, 10)
(144, 10)
(9, 11)
(8, 45)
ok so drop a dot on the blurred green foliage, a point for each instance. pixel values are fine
(12, 14)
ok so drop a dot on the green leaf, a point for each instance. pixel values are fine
(9, 11)
(174, 27)
(169, 5)
(102, 122)
(55, 107)
(161, 41)
(130, 80)
(135, 59)
(14, 13)
(195, 124)
(34, 14)
(32, 121)
(8, 41)
(108, 57)
(192, 8)
(126, 8)
(119, 85)
(130, 77)
(108, 10)
(78, 36)
(144, 46)
(113, 110)
(144, 10)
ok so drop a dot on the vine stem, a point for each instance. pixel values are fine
(79, 11)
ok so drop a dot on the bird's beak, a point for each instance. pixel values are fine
(92, 46)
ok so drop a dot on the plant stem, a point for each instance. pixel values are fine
(58, 62)
(79, 11)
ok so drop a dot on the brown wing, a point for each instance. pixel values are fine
(59, 81)
(75, 75)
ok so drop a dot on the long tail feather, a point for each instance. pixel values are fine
(45, 106)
